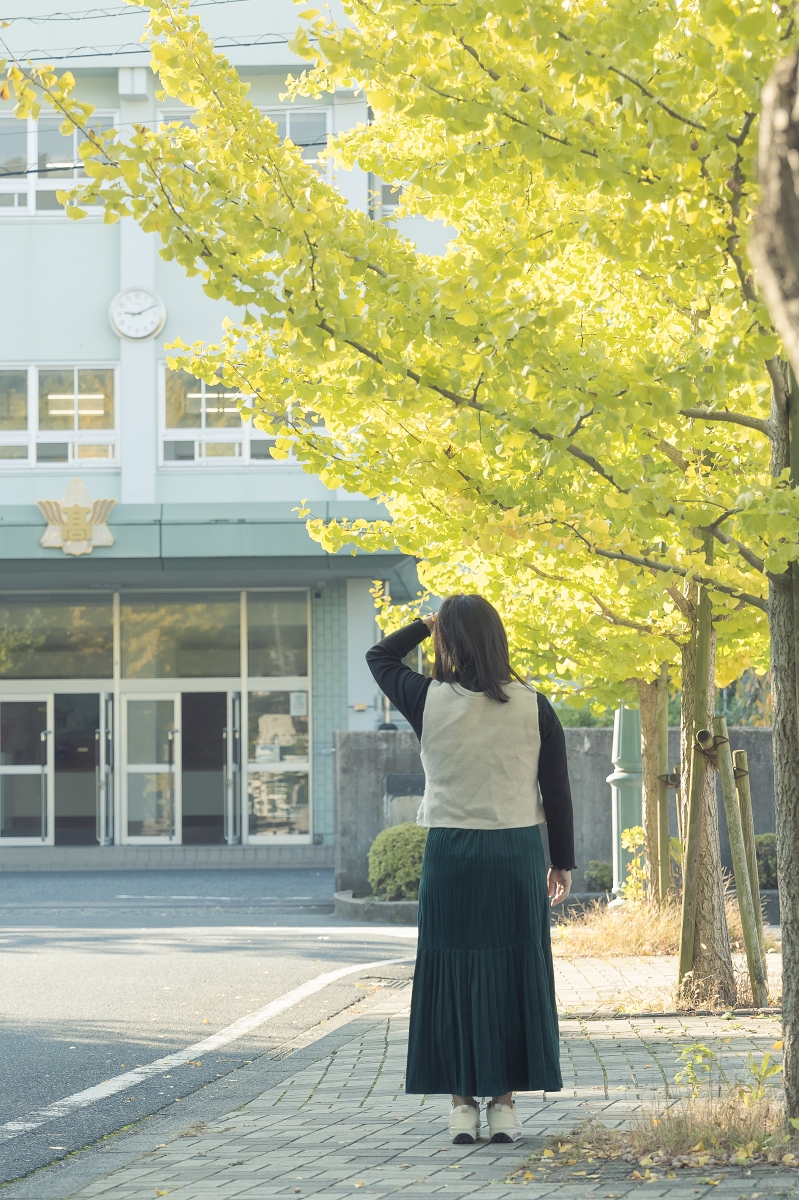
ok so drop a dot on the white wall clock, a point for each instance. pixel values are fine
(137, 314)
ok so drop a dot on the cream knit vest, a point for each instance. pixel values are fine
(480, 759)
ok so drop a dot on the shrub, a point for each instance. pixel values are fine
(395, 862)
(766, 851)
(598, 876)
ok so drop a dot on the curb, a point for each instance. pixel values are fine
(366, 908)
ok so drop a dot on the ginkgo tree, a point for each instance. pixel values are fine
(581, 386)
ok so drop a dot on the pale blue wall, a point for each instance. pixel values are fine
(329, 689)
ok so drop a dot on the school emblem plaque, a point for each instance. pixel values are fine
(77, 523)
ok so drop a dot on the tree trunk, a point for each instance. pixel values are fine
(785, 742)
(650, 790)
(774, 248)
(774, 251)
(711, 970)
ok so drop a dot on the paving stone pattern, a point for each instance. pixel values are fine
(344, 1127)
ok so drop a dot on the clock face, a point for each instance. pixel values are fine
(137, 314)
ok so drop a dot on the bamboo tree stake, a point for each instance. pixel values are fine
(740, 865)
(741, 767)
(690, 871)
(663, 787)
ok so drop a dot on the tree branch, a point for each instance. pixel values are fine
(669, 568)
(746, 554)
(715, 414)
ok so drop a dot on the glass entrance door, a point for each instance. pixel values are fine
(104, 758)
(76, 730)
(204, 761)
(152, 800)
(233, 798)
(26, 771)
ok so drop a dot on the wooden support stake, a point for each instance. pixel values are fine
(699, 766)
(663, 787)
(741, 767)
(740, 865)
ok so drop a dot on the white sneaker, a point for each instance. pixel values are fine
(503, 1123)
(464, 1124)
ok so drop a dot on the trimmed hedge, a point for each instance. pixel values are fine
(395, 862)
(598, 876)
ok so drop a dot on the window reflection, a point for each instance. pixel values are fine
(278, 727)
(180, 635)
(56, 637)
(277, 802)
(277, 633)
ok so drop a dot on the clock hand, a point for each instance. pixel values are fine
(137, 312)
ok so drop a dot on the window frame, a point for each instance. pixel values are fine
(244, 435)
(31, 183)
(287, 111)
(32, 437)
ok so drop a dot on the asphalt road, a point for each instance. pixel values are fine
(101, 973)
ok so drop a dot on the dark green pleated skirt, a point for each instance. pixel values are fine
(483, 1015)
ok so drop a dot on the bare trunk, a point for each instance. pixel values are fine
(785, 742)
(650, 790)
(712, 971)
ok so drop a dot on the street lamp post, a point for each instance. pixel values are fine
(625, 786)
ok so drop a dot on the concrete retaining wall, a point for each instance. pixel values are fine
(364, 759)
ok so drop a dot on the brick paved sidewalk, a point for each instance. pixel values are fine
(343, 1127)
(594, 985)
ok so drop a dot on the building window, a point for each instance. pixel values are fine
(203, 424)
(56, 636)
(306, 127)
(180, 636)
(57, 414)
(36, 160)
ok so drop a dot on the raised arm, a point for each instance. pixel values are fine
(406, 689)
(553, 780)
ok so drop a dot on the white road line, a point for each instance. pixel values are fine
(244, 1025)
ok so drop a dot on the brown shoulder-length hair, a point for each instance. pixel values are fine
(471, 647)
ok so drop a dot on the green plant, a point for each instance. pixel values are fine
(675, 862)
(766, 851)
(698, 1062)
(395, 862)
(598, 876)
(632, 840)
(755, 1089)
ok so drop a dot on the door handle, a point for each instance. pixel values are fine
(43, 736)
(170, 741)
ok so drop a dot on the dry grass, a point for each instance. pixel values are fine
(634, 929)
(690, 1133)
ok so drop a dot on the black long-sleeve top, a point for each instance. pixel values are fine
(407, 691)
